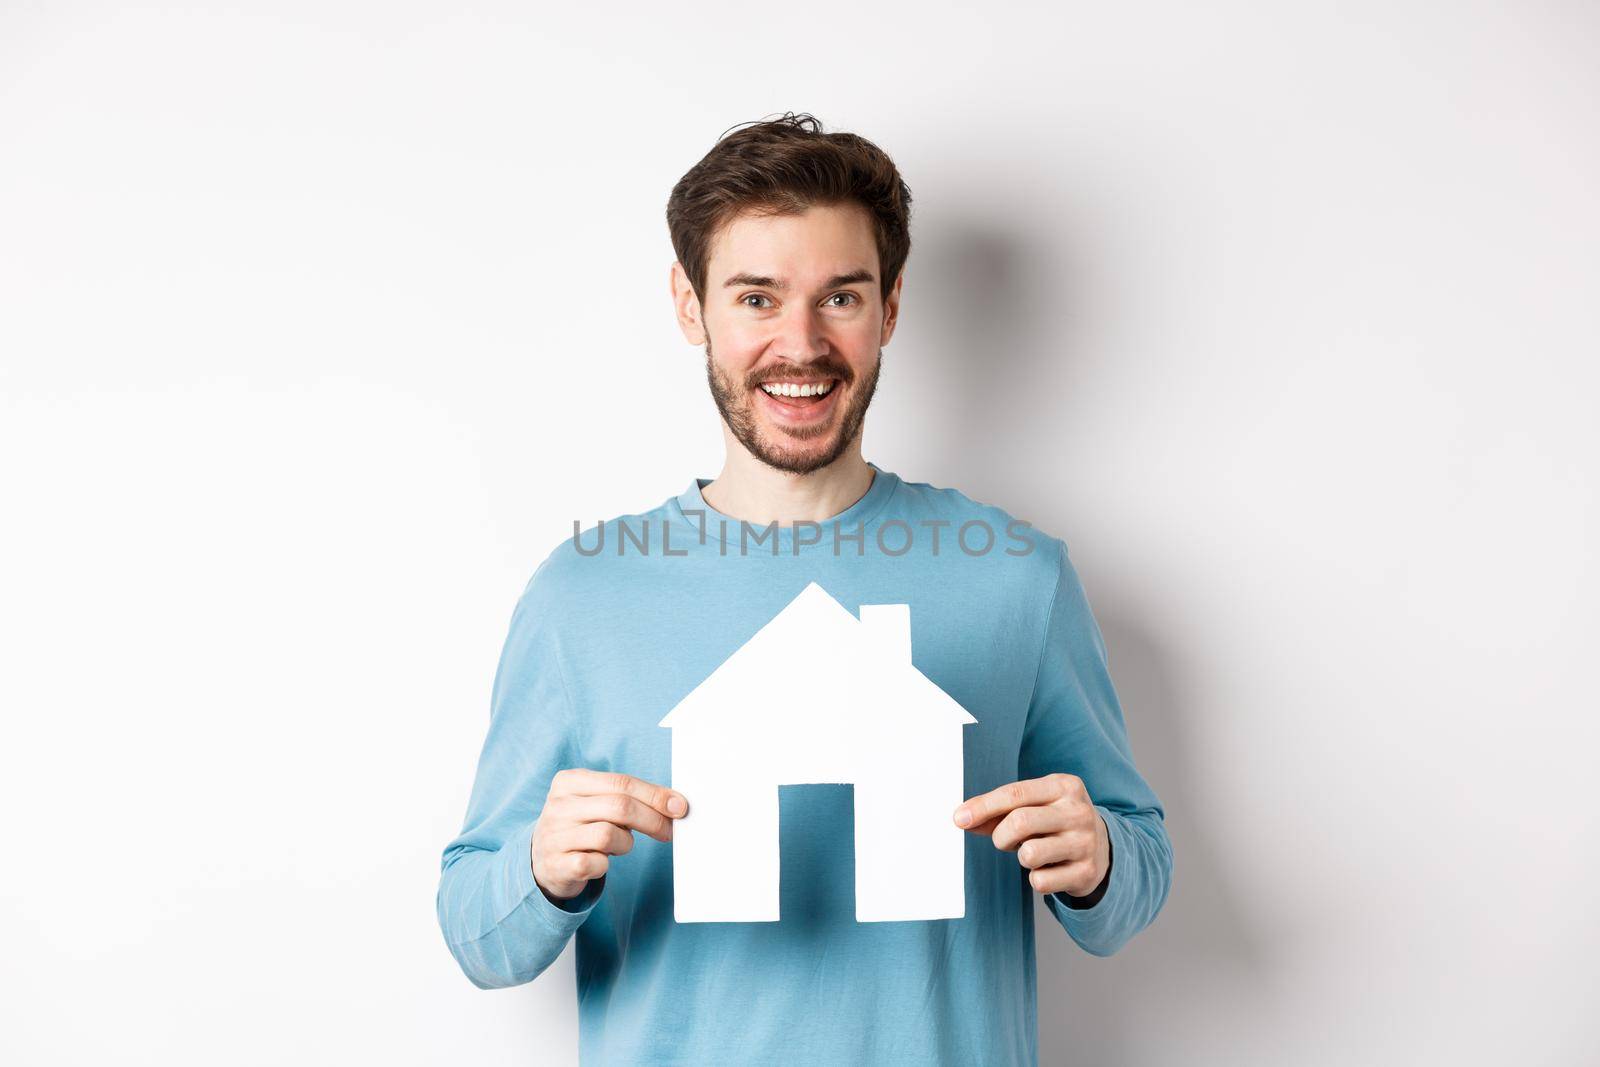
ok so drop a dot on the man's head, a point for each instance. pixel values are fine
(790, 246)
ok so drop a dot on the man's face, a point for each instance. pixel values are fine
(793, 324)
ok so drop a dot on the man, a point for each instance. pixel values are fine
(790, 244)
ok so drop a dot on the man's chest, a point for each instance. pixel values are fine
(777, 640)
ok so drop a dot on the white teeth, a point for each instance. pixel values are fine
(791, 389)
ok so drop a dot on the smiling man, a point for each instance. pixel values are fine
(790, 246)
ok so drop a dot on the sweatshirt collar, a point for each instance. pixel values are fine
(691, 508)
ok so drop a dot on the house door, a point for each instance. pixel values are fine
(817, 854)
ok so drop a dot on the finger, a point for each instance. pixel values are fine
(1069, 878)
(1024, 823)
(582, 782)
(996, 802)
(580, 866)
(619, 809)
(1043, 851)
(605, 837)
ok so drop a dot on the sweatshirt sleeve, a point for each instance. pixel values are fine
(1075, 725)
(497, 922)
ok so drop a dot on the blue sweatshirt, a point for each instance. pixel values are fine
(620, 622)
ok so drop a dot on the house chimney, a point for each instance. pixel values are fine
(887, 629)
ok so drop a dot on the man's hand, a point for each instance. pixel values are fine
(1052, 826)
(588, 818)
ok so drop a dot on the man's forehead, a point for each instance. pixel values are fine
(824, 245)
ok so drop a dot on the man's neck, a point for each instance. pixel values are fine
(750, 490)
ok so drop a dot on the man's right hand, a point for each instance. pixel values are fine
(589, 817)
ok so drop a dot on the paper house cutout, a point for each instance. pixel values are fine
(817, 695)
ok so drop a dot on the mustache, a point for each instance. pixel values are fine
(811, 372)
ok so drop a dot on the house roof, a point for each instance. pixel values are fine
(816, 637)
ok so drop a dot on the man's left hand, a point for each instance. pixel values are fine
(1052, 826)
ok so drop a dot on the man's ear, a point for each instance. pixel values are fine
(686, 306)
(891, 309)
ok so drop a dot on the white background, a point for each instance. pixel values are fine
(319, 323)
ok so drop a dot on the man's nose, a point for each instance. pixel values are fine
(801, 335)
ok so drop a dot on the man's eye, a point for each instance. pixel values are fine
(852, 296)
(751, 296)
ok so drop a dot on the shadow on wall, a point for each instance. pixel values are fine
(1201, 949)
(1011, 337)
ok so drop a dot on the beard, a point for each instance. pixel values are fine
(736, 404)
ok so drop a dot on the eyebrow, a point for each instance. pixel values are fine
(857, 275)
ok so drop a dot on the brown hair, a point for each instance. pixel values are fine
(782, 167)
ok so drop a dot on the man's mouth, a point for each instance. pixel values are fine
(796, 400)
(798, 390)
